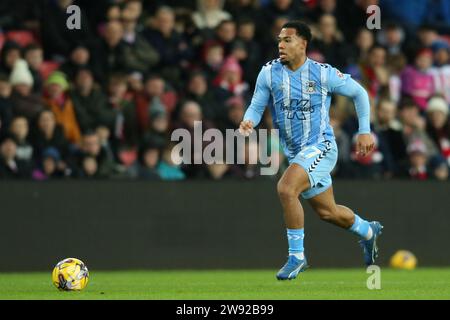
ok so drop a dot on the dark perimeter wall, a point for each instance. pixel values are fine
(140, 225)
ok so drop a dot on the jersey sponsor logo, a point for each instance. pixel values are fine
(296, 109)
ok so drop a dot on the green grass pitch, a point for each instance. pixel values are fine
(422, 283)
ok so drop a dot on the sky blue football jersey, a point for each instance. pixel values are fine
(300, 102)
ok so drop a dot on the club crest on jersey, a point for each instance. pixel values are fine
(310, 87)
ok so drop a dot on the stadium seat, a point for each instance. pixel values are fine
(446, 38)
(47, 68)
(2, 40)
(21, 37)
(128, 157)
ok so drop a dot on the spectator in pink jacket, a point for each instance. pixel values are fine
(416, 81)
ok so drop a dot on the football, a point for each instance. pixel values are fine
(70, 274)
(403, 259)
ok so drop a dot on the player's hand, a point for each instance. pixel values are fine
(246, 128)
(365, 144)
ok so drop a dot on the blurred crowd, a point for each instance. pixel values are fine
(102, 101)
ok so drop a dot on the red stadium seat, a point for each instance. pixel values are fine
(47, 68)
(446, 38)
(21, 37)
(128, 157)
(2, 40)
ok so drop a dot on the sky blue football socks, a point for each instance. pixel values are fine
(295, 241)
(361, 228)
(295, 237)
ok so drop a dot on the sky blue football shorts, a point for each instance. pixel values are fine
(318, 162)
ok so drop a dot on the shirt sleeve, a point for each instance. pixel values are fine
(344, 85)
(260, 98)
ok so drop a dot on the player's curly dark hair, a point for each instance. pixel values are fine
(302, 29)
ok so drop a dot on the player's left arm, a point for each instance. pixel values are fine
(344, 85)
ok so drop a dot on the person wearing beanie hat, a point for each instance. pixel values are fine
(21, 74)
(59, 78)
(25, 102)
(441, 53)
(418, 158)
(48, 167)
(230, 77)
(156, 98)
(439, 168)
(439, 45)
(62, 105)
(441, 73)
(438, 103)
(438, 125)
(21, 78)
(51, 152)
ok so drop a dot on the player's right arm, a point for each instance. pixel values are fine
(260, 99)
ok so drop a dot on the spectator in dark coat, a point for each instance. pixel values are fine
(331, 43)
(50, 166)
(111, 51)
(156, 96)
(225, 34)
(139, 55)
(121, 116)
(211, 99)
(19, 130)
(47, 133)
(89, 101)
(57, 39)
(10, 166)
(6, 105)
(10, 53)
(248, 10)
(270, 40)
(283, 8)
(323, 7)
(80, 58)
(34, 56)
(390, 130)
(212, 59)
(190, 113)
(174, 51)
(92, 160)
(252, 59)
(438, 125)
(146, 165)
(16, 15)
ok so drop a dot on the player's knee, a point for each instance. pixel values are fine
(286, 191)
